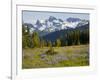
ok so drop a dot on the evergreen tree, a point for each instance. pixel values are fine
(58, 43)
(36, 39)
(26, 42)
(49, 44)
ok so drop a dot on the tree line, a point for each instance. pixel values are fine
(72, 37)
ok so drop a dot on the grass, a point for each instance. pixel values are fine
(64, 57)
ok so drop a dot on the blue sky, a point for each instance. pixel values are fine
(33, 16)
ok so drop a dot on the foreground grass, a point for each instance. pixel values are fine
(66, 56)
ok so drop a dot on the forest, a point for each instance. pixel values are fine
(70, 37)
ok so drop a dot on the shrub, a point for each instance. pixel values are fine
(51, 51)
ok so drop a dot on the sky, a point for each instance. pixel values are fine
(33, 16)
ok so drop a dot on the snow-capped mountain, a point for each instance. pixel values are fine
(53, 24)
(70, 19)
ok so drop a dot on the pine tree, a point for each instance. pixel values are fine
(36, 39)
(49, 44)
(26, 42)
(58, 43)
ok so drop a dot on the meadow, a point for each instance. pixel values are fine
(67, 56)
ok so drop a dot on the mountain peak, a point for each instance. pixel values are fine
(51, 18)
(71, 19)
(38, 23)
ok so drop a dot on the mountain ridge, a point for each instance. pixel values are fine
(53, 24)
